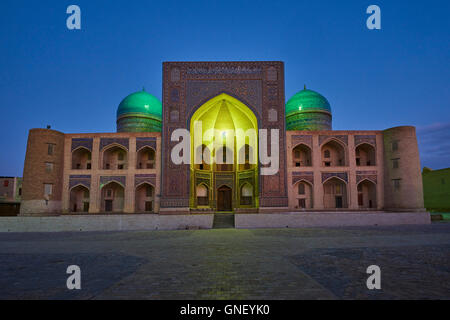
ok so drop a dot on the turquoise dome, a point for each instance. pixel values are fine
(140, 102)
(139, 112)
(308, 110)
(307, 100)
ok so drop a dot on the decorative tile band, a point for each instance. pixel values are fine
(302, 139)
(82, 142)
(107, 141)
(142, 178)
(297, 176)
(341, 175)
(84, 180)
(341, 138)
(369, 175)
(370, 139)
(107, 179)
(145, 142)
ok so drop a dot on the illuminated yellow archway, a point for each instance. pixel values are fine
(224, 145)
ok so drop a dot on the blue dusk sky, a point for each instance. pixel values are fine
(374, 79)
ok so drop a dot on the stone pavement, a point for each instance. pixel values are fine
(311, 263)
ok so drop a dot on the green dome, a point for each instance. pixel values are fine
(139, 112)
(307, 100)
(308, 110)
(140, 102)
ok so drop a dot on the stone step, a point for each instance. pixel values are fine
(223, 221)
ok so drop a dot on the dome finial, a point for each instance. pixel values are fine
(304, 87)
(143, 88)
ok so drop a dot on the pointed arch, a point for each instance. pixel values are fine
(79, 198)
(81, 158)
(334, 153)
(302, 155)
(144, 197)
(112, 196)
(302, 195)
(365, 154)
(367, 194)
(227, 126)
(202, 194)
(335, 195)
(146, 158)
(114, 156)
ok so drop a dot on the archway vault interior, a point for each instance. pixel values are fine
(224, 113)
(225, 122)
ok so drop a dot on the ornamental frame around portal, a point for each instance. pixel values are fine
(188, 85)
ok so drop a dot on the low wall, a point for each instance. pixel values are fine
(329, 219)
(76, 223)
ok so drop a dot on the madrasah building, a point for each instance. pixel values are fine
(131, 170)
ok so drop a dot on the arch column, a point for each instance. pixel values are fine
(94, 200)
(157, 196)
(352, 188)
(317, 163)
(379, 167)
(66, 175)
(130, 197)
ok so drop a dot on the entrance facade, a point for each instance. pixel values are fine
(223, 95)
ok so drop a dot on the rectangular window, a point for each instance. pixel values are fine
(394, 145)
(20, 191)
(395, 163)
(48, 167)
(88, 166)
(327, 163)
(5, 183)
(301, 188)
(120, 167)
(297, 164)
(48, 189)
(50, 149)
(358, 161)
(396, 183)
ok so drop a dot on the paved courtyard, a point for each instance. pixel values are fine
(230, 264)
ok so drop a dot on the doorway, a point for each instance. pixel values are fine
(339, 202)
(108, 205)
(224, 199)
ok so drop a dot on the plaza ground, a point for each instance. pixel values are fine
(310, 263)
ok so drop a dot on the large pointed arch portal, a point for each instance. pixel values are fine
(224, 151)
